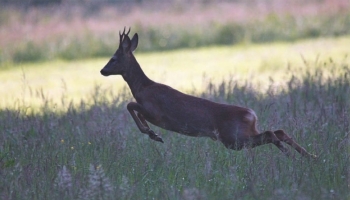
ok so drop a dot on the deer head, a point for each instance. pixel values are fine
(118, 64)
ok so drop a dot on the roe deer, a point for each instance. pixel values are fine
(172, 110)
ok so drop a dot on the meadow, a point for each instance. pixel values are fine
(91, 149)
(65, 132)
(61, 82)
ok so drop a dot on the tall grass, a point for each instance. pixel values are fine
(95, 151)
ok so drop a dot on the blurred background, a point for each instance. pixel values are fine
(37, 30)
(55, 48)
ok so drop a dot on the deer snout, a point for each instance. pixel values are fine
(104, 72)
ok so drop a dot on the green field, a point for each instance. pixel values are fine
(91, 148)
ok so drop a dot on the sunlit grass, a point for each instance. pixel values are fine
(186, 70)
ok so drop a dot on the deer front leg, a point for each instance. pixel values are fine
(141, 122)
(151, 133)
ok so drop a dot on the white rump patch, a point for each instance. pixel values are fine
(250, 116)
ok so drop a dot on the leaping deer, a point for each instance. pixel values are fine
(172, 110)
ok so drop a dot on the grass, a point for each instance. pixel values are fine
(66, 138)
(95, 151)
(57, 81)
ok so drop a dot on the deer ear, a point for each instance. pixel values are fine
(134, 42)
(126, 44)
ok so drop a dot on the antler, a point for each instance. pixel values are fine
(123, 34)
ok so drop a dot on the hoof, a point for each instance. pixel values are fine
(155, 137)
(159, 139)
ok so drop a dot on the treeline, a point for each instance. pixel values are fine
(77, 32)
(28, 3)
(88, 44)
(34, 3)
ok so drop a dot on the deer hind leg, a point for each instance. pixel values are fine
(252, 141)
(281, 135)
(268, 137)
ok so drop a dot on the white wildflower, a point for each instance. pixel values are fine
(99, 186)
(64, 180)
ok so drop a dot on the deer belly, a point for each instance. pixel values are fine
(186, 127)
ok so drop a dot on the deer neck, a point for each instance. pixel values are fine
(136, 79)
